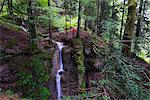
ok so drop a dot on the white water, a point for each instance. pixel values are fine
(25, 30)
(58, 76)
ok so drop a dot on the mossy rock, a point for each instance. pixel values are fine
(79, 58)
(78, 55)
(78, 41)
(9, 25)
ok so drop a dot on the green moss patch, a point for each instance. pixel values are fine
(79, 59)
(9, 25)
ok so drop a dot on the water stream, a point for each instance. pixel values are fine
(60, 71)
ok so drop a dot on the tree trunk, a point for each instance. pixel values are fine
(98, 18)
(102, 14)
(70, 22)
(10, 7)
(113, 16)
(50, 32)
(129, 28)
(79, 19)
(122, 22)
(85, 25)
(138, 29)
(65, 22)
(49, 27)
(31, 24)
(49, 3)
(91, 25)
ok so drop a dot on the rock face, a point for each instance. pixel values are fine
(55, 67)
(92, 63)
(11, 43)
(70, 77)
(72, 66)
(7, 76)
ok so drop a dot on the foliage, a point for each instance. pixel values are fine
(105, 10)
(108, 27)
(125, 76)
(70, 7)
(128, 81)
(123, 79)
(142, 49)
(59, 23)
(89, 12)
(47, 13)
(31, 83)
(20, 7)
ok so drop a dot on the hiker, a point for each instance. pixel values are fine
(73, 31)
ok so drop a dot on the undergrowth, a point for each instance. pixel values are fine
(123, 79)
(32, 80)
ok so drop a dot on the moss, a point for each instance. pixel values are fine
(80, 61)
(9, 25)
(79, 58)
(44, 56)
(78, 41)
(129, 28)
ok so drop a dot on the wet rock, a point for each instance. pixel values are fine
(55, 63)
(70, 80)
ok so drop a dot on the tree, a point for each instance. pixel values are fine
(89, 14)
(49, 25)
(31, 24)
(10, 7)
(49, 4)
(122, 19)
(129, 28)
(138, 29)
(103, 13)
(98, 18)
(70, 7)
(79, 19)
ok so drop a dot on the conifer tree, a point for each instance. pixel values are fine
(129, 28)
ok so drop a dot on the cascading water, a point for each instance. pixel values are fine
(60, 71)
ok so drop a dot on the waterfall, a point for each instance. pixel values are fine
(60, 71)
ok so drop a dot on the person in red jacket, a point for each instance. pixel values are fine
(73, 31)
